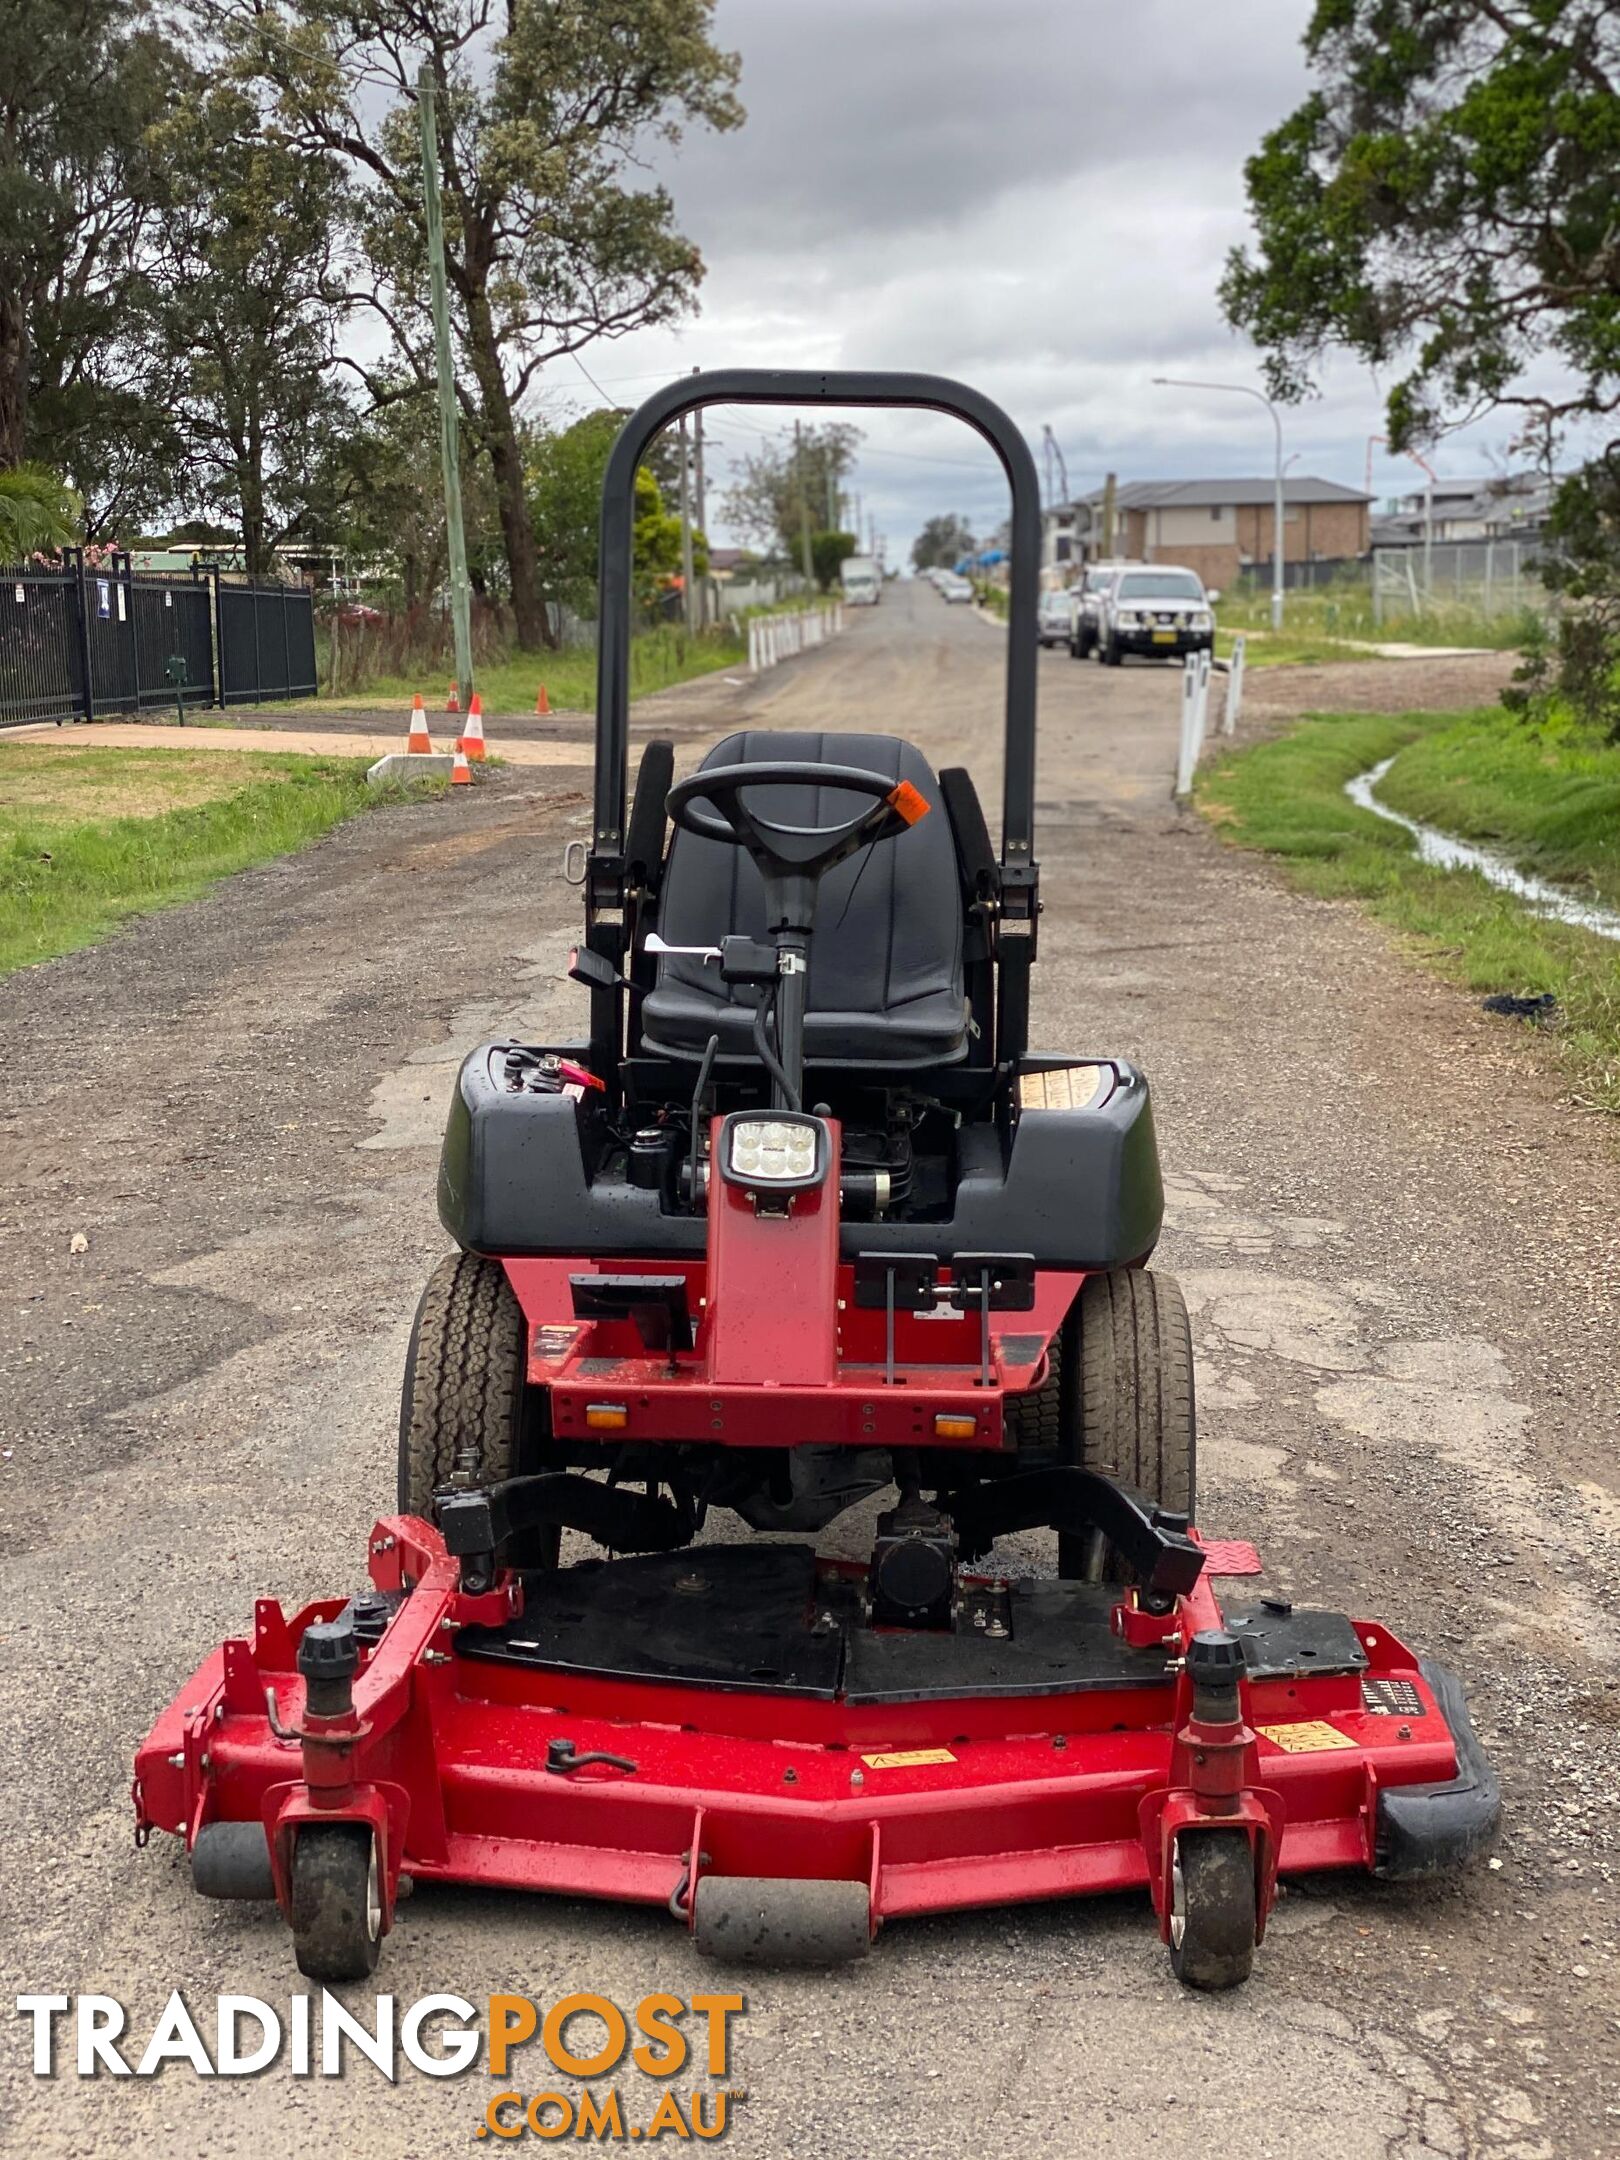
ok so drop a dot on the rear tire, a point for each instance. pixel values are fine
(1133, 1416)
(1212, 1914)
(466, 1410)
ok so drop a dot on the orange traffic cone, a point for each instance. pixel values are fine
(461, 771)
(452, 703)
(471, 741)
(542, 704)
(420, 742)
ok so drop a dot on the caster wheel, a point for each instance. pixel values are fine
(1212, 1912)
(336, 1902)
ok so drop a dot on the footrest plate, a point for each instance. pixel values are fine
(1230, 1556)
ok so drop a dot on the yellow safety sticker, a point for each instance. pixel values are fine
(910, 1759)
(1313, 1737)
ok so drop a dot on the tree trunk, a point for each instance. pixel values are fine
(250, 485)
(13, 380)
(530, 615)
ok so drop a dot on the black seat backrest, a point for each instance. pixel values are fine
(889, 922)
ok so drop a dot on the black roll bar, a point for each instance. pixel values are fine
(757, 386)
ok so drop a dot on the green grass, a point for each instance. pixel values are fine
(659, 659)
(1292, 648)
(1544, 801)
(89, 837)
(1344, 611)
(1547, 795)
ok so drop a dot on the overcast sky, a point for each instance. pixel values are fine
(1034, 195)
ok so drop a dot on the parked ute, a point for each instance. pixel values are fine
(1052, 618)
(1158, 610)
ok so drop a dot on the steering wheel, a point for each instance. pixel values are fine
(896, 805)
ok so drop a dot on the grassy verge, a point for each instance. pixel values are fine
(659, 659)
(1539, 800)
(89, 837)
(1547, 796)
(1345, 611)
(1287, 648)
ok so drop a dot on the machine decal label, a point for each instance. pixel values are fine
(909, 1759)
(1392, 1698)
(1075, 1087)
(1313, 1737)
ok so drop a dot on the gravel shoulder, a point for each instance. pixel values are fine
(1400, 1245)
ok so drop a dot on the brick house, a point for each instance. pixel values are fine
(1219, 527)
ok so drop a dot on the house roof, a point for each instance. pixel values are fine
(1213, 494)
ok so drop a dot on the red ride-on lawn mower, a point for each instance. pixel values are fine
(803, 1221)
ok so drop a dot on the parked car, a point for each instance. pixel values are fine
(1156, 609)
(1085, 610)
(1052, 618)
(953, 589)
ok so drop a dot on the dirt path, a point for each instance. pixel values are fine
(1401, 1248)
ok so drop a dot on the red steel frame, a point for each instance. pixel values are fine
(1023, 1797)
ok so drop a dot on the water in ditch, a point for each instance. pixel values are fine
(1445, 853)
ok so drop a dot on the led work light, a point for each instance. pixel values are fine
(779, 1153)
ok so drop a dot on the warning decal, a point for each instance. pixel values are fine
(1313, 1737)
(910, 1759)
(1074, 1087)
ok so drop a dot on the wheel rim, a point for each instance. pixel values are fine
(373, 1897)
(1178, 1901)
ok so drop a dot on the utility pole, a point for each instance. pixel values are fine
(804, 503)
(688, 597)
(1109, 509)
(449, 451)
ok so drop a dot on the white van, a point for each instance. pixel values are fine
(862, 578)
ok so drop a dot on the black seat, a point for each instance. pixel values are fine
(885, 985)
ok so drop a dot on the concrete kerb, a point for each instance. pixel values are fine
(409, 767)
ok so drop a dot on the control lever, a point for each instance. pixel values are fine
(657, 947)
(742, 959)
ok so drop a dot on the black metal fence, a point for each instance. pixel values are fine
(95, 638)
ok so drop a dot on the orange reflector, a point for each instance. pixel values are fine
(954, 1425)
(606, 1417)
(911, 805)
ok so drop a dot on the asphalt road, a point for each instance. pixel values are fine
(1399, 1242)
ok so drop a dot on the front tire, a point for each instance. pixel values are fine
(466, 1410)
(1111, 654)
(1133, 1416)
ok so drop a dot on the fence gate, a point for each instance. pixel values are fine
(266, 643)
(42, 654)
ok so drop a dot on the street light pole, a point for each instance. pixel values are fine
(1178, 382)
